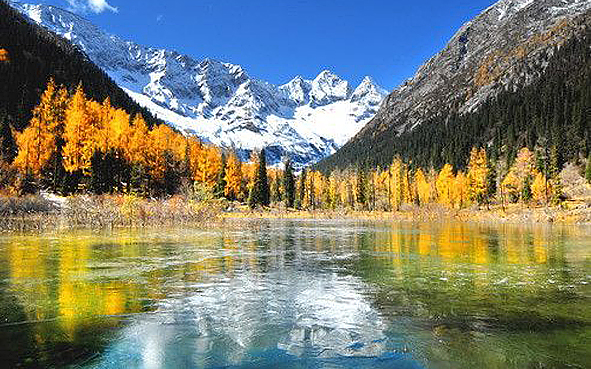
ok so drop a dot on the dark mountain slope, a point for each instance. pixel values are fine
(501, 83)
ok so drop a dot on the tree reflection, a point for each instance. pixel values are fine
(449, 295)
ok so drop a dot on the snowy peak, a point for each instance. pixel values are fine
(298, 90)
(368, 90)
(327, 87)
(219, 101)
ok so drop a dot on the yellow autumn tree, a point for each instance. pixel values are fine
(159, 142)
(423, 187)
(103, 139)
(234, 179)
(511, 186)
(477, 175)
(317, 188)
(517, 177)
(120, 130)
(541, 189)
(78, 134)
(459, 190)
(445, 183)
(135, 151)
(396, 185)
(38, 142)
(382, 189)
(208, 165)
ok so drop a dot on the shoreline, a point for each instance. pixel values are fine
(47, 212)
(512, 215)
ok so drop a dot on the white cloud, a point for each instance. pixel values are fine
(91, 6)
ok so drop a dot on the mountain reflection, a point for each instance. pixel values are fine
(299, 293)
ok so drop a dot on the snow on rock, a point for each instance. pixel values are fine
(220, 102)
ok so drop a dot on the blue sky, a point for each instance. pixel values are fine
(276, 40)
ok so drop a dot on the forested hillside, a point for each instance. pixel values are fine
(550, 116)
(29, 57)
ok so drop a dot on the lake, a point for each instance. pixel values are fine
(299, 294)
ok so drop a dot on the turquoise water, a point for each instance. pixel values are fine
(299, 294)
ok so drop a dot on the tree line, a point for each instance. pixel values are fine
(400, 184)
(74, 144)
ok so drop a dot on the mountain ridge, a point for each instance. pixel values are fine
(219, 101)
(505, 48)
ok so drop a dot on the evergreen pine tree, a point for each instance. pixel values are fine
(97, 173)
(289, 184)
(263, 179)
(276, 195)
(361, 187)
(220, 183)
(491, 180)
(526, 194)
(259, 193)
(588, 169)
(301, 190)
(252, 203)
(8, 147)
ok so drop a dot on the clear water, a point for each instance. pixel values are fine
(299, 294)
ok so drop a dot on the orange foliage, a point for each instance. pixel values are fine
(4, 55)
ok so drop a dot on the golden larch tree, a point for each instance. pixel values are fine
(445, 182)
(234, 179)
(38, 142)
(516, 178)
(78, 133)
(459, 190)
(137, 145)
(477, 175)
(541, 189)
(423, 187)
(396, 185)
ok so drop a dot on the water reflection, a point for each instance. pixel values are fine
(299, 294)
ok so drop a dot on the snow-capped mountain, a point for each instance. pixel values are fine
(220, 102)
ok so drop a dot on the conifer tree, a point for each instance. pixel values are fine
(302, 189)
(276, 194)
(259, 193)
(220, 184)
(263, 179)
(361, 188)
(526, 192)
(289, 184)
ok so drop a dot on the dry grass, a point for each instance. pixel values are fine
(98, 212)
(580, 214)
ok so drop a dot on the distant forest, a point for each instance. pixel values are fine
(550, 117)
(29, 57)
